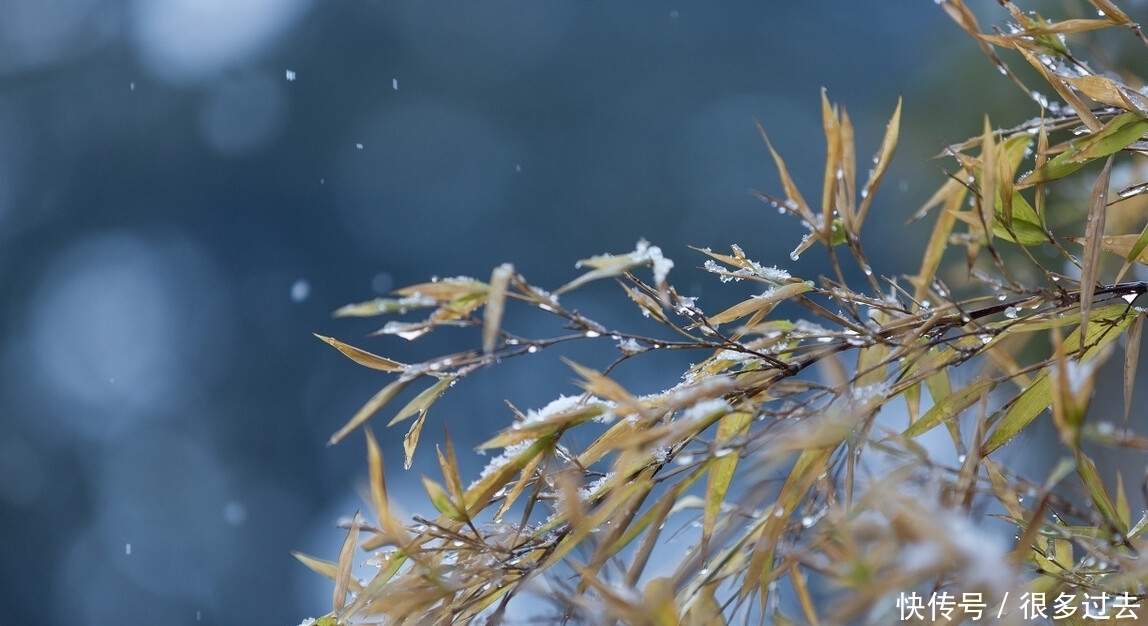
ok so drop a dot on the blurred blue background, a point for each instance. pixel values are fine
(188, 188)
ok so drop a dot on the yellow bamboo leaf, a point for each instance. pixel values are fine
(763, 303)
(346, 564)
(1131, 361)
(411, 439)
(601, 385)
(1131, 247)
(385, 395)
(326, 569)
(495, 303)
(422, 402)
(1093, 237)
(795, 203)
(381, 306)
(722, 468)
(362, 357)
(390, 524)
(609, 265)
(831, 125)
(447, 289)
(884, 156)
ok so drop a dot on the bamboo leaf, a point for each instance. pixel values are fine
(443, 502)
(421, 403)
(831, 125)
(1131, 247)
(411, 439)
(326, 569)
(381, 306)
(950, 406)
(650, 307)
(446, 289)
(1116, 135)
(1106, 326)
(1099, 495)
(1093, 237)
(390, 524)
(795, 203)
(763, 303)
(362, 357)
(609, 265)
(1074, 101)
(346, 564)
(722, 468)
(495, 303)
(884, 156)
(385, 395)
(1131, 361)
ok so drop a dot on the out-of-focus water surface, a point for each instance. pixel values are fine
(188, 188)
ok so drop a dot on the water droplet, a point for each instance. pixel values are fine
(395, 84)
(532, 349)
(358, 146)
(592, 334)
(793, 256)
(1010, 312)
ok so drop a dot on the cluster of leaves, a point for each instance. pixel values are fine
(863, 509)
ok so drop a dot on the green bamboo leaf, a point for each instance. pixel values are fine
(1100, 498)
(1107, 325)
(1116, 135)
(443, 502)
(1025, 227)
(948, 407)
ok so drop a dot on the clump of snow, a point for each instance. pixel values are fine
(509, 453)
(559, 405)
(653, 254)
(705, 408)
